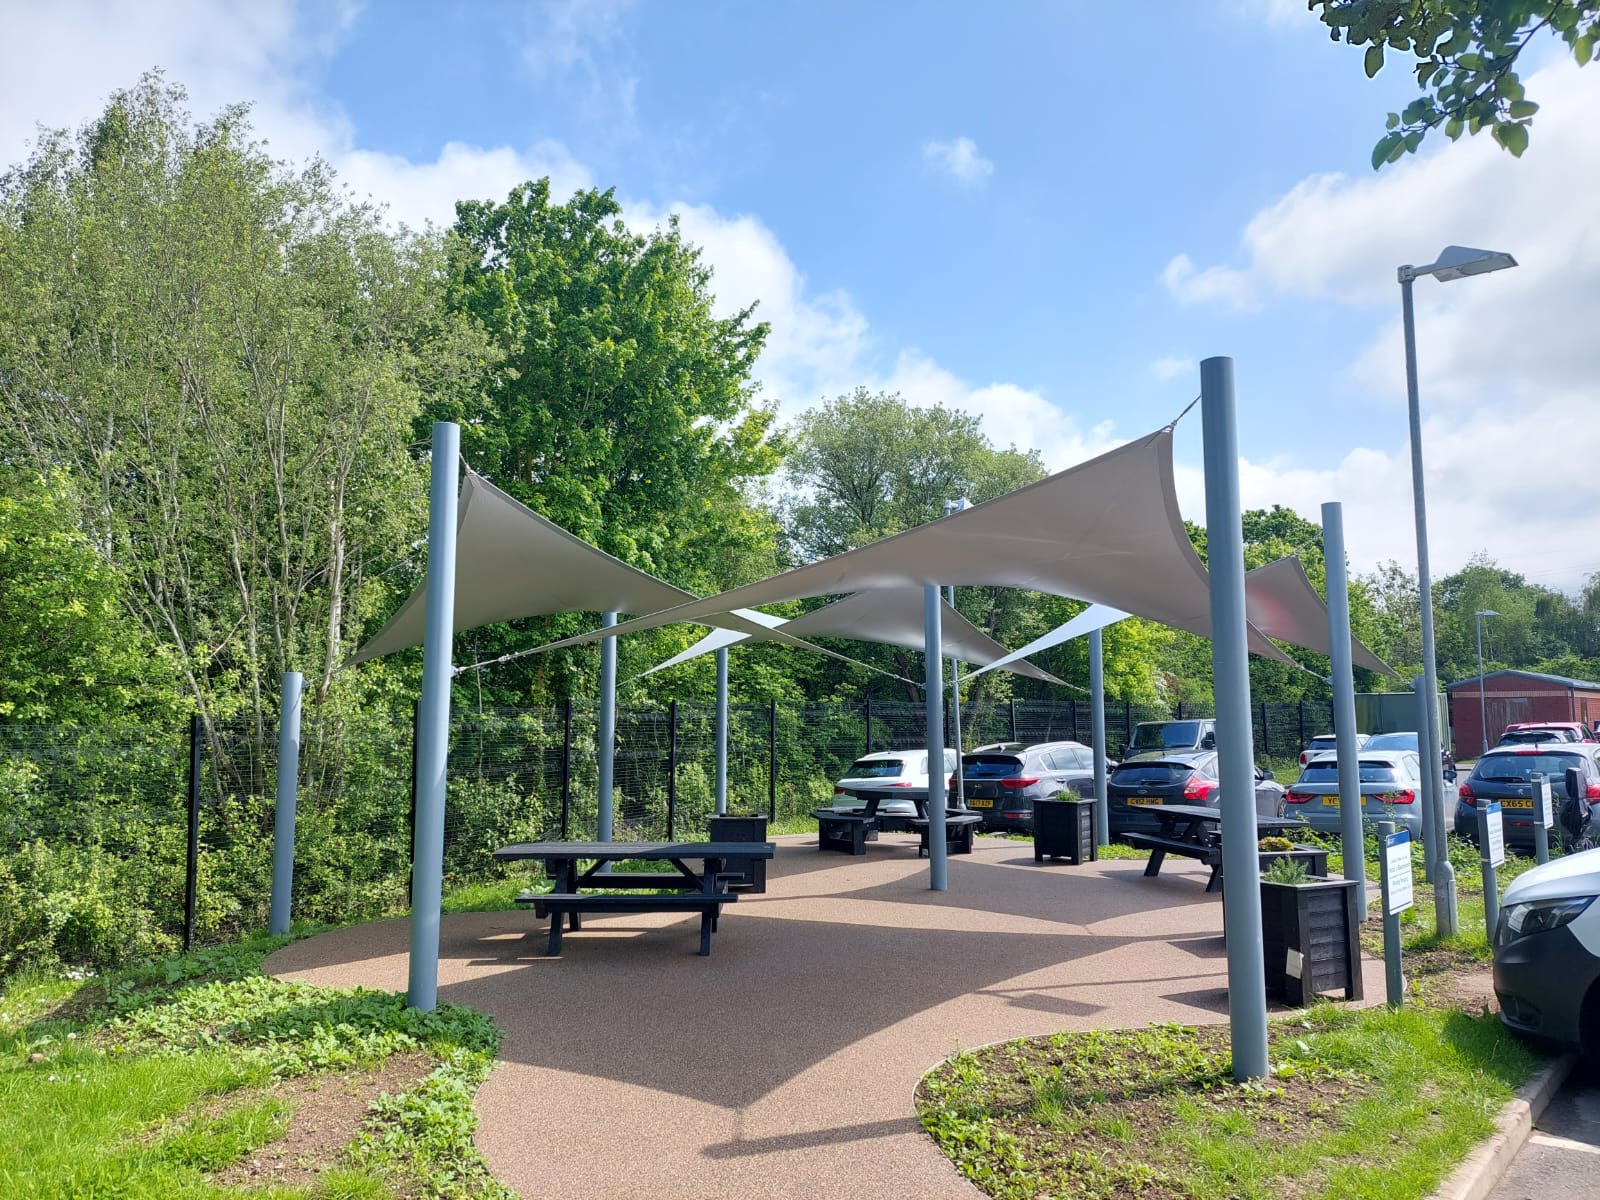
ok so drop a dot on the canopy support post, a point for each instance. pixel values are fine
(722, 731)
(1344, 699)
(933, 689)
(606, 751)
(1097, 715)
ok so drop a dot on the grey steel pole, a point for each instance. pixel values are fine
(722, 730)
(1241, 863)
(606, 750)
(1394, 980)
(288, 794)
(955, 703)
(191, 875)
(1097, 717)
(433, 728)
(1443, 875)
(933, 672)
(1483, 700)
(1419, 686)
(1491, 877)
(1351, 839)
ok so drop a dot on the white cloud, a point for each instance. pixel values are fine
(1223, 285)
(960, 160)
(415, 193)
(1273, 12)
(1169, 367)
(570, 40)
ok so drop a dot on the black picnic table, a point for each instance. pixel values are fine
(849, 832)
(688, 889)
(1195, 831)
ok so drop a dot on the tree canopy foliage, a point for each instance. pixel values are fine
(1466, 53)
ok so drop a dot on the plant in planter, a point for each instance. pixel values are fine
(1310, 933)
(1274, 843)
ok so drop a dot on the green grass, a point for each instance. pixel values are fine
(159, 1080)
(1373, 1103)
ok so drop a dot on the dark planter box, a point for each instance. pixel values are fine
(1316, 860)
(1310, 934)
(752, 871)
(1064, 829)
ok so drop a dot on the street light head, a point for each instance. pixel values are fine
(1457, 262)
(1486, 612)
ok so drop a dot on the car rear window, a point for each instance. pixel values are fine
(1393, 741)
(1515, 768)
(877, 768)
(1162, 737)
(990, 766)
(1152, 772)
(1328, 772)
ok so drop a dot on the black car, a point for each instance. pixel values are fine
(1151, 780)
(1001, 782)
(1503, 774)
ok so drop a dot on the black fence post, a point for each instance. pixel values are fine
(1180, 710)
(772, 756)
(1127, 720)
(672, 768)
(1266, 731)
(1300, 712)
(868, 750)
(191, 883)
(1014, 719)
(411, 855)
(566, 766)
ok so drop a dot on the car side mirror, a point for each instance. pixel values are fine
(1209, 742)
(1450, 774)
(1268, 777)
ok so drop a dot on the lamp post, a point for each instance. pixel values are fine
(1483, 703)
(1454, 262)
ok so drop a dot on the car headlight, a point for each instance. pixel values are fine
(1541, 916)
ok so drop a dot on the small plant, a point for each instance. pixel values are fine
(1275, 844)
(1286, 870)
(1065, 794)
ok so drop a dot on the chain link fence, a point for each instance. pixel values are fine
(96, 824)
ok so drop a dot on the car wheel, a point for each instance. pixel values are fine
(1283, 807)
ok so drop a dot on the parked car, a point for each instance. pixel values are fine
(1161, 737)
(1407, 740)
(1002, 782)
(1391, 789)
(1324, 742)
(1534, 732)
(885, 770)
(1503, 774)
(1189, 777)
(1547, 953)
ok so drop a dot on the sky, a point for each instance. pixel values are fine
(1045, 212)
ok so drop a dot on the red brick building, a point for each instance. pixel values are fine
(1513, 696)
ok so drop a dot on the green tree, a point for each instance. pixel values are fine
(620, 406)
(69, 650)
(224, 357)
(1465, 54)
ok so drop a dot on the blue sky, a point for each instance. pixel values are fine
(1045, 213)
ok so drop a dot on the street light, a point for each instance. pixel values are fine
(1483, 704)
(1454, 262)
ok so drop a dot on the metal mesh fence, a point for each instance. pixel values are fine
(94, 822)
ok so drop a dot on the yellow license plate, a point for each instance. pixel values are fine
(1143, 801)
(980, 803)
(1331, 801)
(1517, 802)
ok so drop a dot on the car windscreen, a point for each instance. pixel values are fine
(1393, 741)
(1516, 768)
(1151, 773)
(991, 766)
(1165, 737)
(1328, 772)
(876, 768)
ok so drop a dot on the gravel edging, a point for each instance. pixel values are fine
(1481, 1171)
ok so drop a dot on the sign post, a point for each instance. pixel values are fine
(1544, 815)
(1394, 866)
(1492, 852)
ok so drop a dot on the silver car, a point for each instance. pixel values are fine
(1391, 790)
(1001, 782)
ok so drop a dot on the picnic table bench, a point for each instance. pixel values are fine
(1194, 831)
(683, 889)
(959, 828)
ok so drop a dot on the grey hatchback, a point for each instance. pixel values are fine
(1148, 781)
(1002, 782)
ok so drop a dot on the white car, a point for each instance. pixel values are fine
(1547, 952)
(899, 771)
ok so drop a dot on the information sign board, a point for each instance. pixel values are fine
(1397, 861)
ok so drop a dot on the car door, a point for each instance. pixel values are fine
(1269, 796)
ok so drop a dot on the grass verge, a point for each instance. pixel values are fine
(175, 1080)
(1371, 1103)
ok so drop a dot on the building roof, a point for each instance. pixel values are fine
(1559, 680)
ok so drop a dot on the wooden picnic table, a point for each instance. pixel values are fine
(703, 890)
(1195, 831)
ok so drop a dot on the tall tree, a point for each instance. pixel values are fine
(621, 407)
(1466, 53)
(224, 357)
